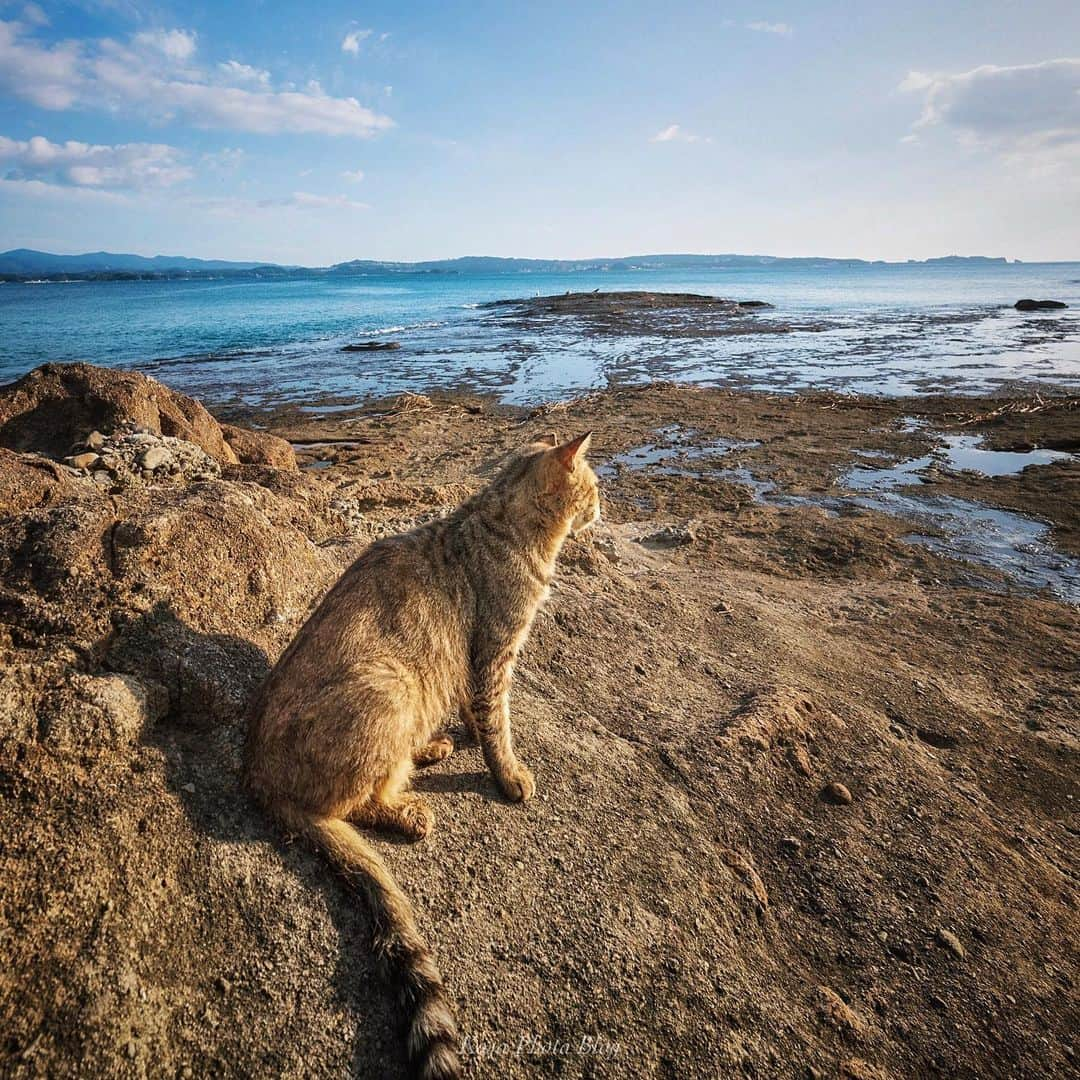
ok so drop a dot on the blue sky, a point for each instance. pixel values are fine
(318, 132)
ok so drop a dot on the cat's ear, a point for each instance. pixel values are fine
(548, 440)
(569, 453)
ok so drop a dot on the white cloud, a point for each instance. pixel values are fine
(675, 133)
(152, 75)
(782, 29)
(305, 200)
(132, 166)
(224, 160)
(351, 42)
(34, 16)
(1021, 111)
(353, 175)
(175, 44)
(235, 72)
(38, 189)
(229, 206)
(45, 76)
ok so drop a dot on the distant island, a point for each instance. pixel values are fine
(22, 264)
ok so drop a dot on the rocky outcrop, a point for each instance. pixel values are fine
(83, 413)
(1039, 305)
(260, 448)
(56, 407)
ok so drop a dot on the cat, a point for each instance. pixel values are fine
(422, 624)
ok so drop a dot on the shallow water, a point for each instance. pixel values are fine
(678, 451)
(957, 453)
(1010, 543)
(882, 329)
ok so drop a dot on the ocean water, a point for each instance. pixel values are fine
(882, 329)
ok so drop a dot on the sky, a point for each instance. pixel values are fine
(313, 133)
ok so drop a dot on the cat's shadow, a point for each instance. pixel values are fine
(201, 757)
(475, 783)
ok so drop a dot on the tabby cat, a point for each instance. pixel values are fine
(421, 625)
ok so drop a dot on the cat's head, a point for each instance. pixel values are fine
(568, 478)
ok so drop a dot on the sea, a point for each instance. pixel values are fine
(893, 329)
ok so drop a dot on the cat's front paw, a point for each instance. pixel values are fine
(518, 785)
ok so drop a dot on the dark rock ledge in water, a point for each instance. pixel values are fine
(656, 314)
(371, 346)
(1039, 305)
(622, 303)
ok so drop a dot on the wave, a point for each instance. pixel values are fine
(406, 326)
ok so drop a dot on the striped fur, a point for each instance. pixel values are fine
(421, 626)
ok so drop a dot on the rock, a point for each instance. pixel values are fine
(743, 868)
(1039, 305)
(28, 481)
(800, 759)
(97, 713)
(835, 792)
(836, 1012)
(83, 461)
(669, 536)
(57, 406)
(948, 940)
(154, 458)
(371, 346)
(260, 448)
(791, 844)
(95, 440)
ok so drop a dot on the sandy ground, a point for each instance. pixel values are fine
(686, 896)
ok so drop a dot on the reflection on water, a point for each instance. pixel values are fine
(1010, 543)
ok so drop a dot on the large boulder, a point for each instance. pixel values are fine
(57, 406)
(260, 448)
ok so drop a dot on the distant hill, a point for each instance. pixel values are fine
(24, 261)
(22, 264)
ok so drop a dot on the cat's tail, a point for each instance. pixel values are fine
(433, 1034)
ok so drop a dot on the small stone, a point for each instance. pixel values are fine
(835, 1011)
(791, 844)
(83, 461)
(189, 788)
(132, 1048)
(154, 458)
(95, 440)
(669, 536)
(223, 984)
(835, 792)
(801, 760)
(950, 941)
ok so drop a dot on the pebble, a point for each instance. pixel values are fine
(801, 760)
(95, 440)
(792, 844)
(154, 458)
(83, 461)
(951, 942)
(835, 792)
